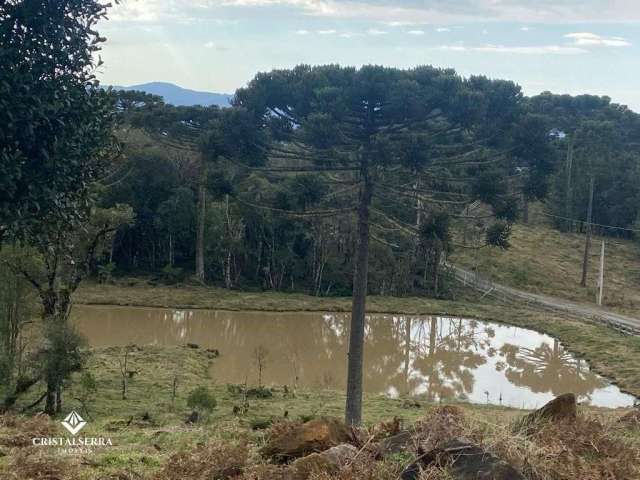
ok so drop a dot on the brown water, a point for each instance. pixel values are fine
(427, 356)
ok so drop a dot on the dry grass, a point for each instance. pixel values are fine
(596, 446)
(17, 431)
(215, 460)
(363, 468)
(29, 464)
(544, 260)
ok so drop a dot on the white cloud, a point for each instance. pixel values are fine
(416, 32)
(327, 32)
(302, 32)
(453, 48)
(397, 23)
(347, 35)
(442, 29)
(525, 29)
(403, 13)
(215, 46)
(585, 39)
(517, 50)
(373, 31)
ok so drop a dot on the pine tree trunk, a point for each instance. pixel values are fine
(58, 398)
(202, 200)
(353, 411)
(525, 210)
(50, 405)
(587, 244)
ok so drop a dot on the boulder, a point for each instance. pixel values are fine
(561, 408)
(394, 444)
(329, 461)
(465, 461)
(310, 437)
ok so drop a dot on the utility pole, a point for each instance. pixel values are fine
(567, 201)
(587, 245)
(601, 281)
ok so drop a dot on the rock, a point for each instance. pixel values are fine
(394, 444)
(340, 454)
(310, 437)
(465, 461)
(559, 409)
(193, 345)
(328, 461)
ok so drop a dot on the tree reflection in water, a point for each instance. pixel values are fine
(439, 357)
(436, 358)
(548, 368)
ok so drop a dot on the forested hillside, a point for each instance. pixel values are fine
(280, 225)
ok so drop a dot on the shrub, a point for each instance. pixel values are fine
(105, 272)
(172, 275)
(201, 399)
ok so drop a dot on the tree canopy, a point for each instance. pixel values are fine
(56, 123)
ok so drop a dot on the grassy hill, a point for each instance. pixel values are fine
(543, 260)
(152, 441)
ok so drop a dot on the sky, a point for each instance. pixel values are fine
(563, 46)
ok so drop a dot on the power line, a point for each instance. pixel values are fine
(593, 224)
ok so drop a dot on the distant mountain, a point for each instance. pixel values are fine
(176, 95)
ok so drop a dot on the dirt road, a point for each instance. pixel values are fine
(509, 294)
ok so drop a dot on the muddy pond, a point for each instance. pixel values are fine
(435, 358)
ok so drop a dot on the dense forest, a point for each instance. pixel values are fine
(277, 223)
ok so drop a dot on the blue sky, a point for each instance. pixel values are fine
(565, 46)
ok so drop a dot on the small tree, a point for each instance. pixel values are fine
(201, 399)
(260, 355)
(64, 250)
(124, 371)
(17, 309)
(88, 389)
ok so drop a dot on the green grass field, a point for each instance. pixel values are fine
(149, 427)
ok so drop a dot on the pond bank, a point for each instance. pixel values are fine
(610, 353)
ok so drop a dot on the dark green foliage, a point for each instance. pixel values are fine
(601, 139)
(489, 186)
(62, 354)
(56, 123)
(498, 235)
(172, 275)
(201, 399)
(514, 159)
(259, 392)
(17, 307)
